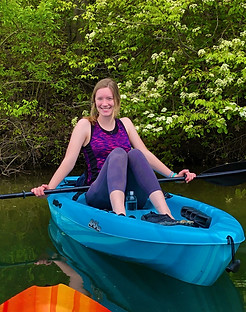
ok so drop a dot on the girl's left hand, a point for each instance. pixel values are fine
(189, 176)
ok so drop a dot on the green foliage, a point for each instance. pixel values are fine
(180, 66)
(240, 194)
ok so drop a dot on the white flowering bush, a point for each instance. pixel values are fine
(180, 65)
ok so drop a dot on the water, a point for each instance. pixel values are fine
(118, 285)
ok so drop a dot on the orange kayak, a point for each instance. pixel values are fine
(58, 298)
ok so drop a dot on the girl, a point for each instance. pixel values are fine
(117, 159)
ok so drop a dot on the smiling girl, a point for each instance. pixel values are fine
(117, 160)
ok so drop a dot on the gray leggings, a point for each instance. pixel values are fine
(123, 171)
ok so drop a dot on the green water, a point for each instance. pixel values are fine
(118, 285)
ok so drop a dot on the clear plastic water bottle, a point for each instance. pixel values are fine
(131, 201)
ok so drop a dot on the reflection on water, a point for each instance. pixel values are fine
(118, 285)
(75, 280)
(130, 287)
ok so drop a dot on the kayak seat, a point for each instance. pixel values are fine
(200, 218)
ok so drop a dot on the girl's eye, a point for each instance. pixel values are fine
(107, 98)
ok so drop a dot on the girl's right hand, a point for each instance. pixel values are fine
(39, 191)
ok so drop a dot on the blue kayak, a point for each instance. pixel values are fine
(194, 254)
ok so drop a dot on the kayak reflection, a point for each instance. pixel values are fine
(122, 286)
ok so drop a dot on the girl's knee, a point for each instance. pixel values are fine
(118, 151)
(135, 154)
(118, 154)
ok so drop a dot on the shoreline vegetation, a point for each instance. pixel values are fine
(180, 66)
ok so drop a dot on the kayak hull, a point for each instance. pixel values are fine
(192, 254)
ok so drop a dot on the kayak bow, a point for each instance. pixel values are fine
(52, 298)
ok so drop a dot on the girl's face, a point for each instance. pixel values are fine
(104, 100)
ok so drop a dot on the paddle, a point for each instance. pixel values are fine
(48, 257)
(4, 265)
(226, 175)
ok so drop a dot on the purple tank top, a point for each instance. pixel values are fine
(102, 142)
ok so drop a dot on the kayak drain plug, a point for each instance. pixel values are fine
(235, 263)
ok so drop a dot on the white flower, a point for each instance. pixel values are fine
(220, 83)
(224, 67)
(154, 56)
(144, 72)
(236, 41)
(240, 81)
(193, 6)
(243, 33)
(164, 109)
(187, 128)
(91, 35)
(242, 112)
(201, 52)
(160, 82)
(161, 118)
(196, 29)
(171, 59)
(149, 126)
(154, 95)
(151, 79)
(146, 112)
(192, 95)
(208, 1)
(135, 100)
(129, 84)
(169, 120)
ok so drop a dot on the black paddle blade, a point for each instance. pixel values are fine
(228, 174)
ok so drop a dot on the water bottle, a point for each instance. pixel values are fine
(131, 201)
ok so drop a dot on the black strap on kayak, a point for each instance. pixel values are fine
(167, 195)
(77, 195)
(235, 263)
(80, 182)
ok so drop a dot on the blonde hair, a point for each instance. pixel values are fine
(104, 83)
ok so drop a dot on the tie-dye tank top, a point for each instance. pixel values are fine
(102, 142)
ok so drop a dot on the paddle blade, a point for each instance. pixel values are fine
(226, 175)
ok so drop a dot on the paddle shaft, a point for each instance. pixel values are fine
(8, 265)
(205, 176)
